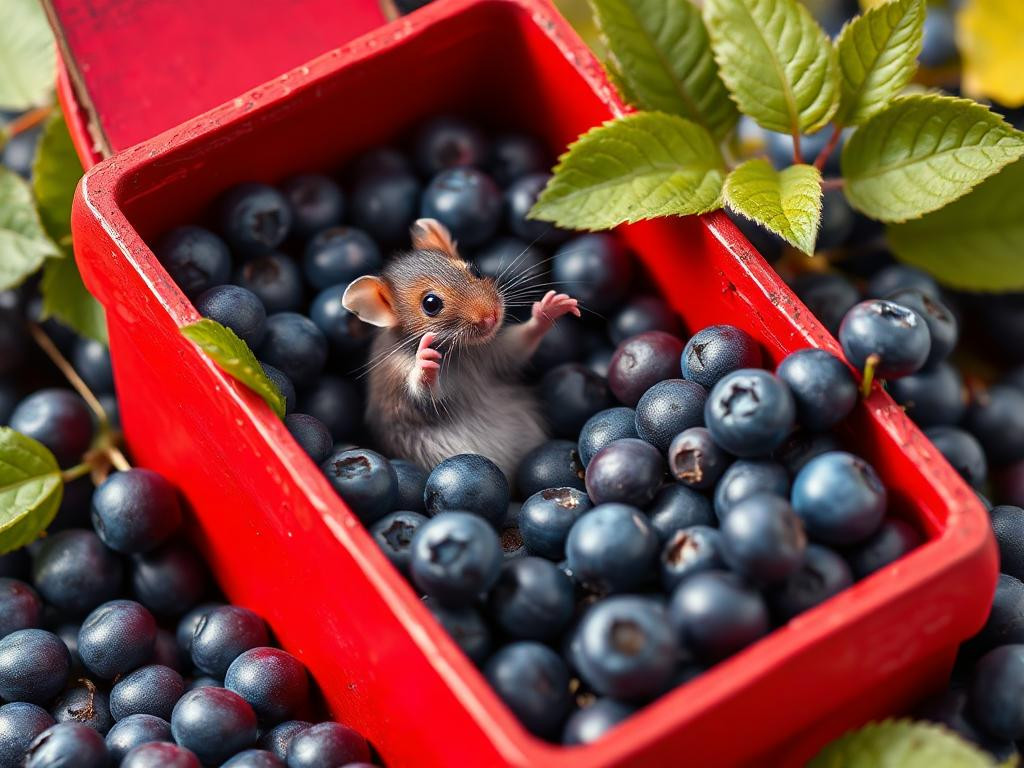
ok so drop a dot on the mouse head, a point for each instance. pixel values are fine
(430, 289)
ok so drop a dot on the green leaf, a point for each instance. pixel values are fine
(28, 59)
(641, 166)
(30, 489)
(924, 152)
(777, 62)
(23, 242)
(55, 174)
(877, 57)
(976, 243)
(786, 202)
(902, 744)
(233, 357)
(663, 56)
(66, 298)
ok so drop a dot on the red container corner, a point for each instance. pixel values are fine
(283, 544)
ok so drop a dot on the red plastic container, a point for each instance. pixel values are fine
(282, 543)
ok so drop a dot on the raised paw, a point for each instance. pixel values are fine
(553, 306)
(428, 361)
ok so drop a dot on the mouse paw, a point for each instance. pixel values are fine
(428, 361)
(553, 306)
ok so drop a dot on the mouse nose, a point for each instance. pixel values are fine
(487, 322)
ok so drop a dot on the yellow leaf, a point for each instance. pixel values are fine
(990, 35)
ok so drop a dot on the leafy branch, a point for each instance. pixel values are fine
(912, 161)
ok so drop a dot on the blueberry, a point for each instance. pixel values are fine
(134, 730)
(274, 279)
(840, 498)
(466, 627)
(519, 199)
(596, 269)
(768, 244)
(893, 539)
(822, 387)
(165, 650)
(214, 723)
(668, 408)
(222, 634)
(963, 452)
(554, 464)
(640, 315)
(943, 327)
(629, 471)
(997, 692)
(746, 477)
(932, 397)
(255, 218)
(901, 277)
(762, 539)
(570, 394)
(116, 638)
(34, 666)
(750, 412)
(514, 155)
(294, 345)
(951, 709)
(938, 45)
(996, 418)
(605, 427)
(828, 295)
(378, 160)
(255, 758)
(455, 557)
(821, 574)
(1008, 525)
(687, 551)
(466, 201)
(627, 649)
(236, 308)
(340, 255)
(273, 681)
(534, 682)
(467, 483)
(385, 203)
(160, 755)
(150, 690)
(412, 483)
(91, 361)
(715, 615)
(186, 628)
(838, 218)
(448, 142)
(346, 333)
(20, 606)
(283, 383)
(546, 518)
(277, 739)
(316, 202)
(337, 403)
(393, 533)
(75, 572)
(612, 548)
(695, 459)
(1003, 625)
(586, 726)
(20, 724)
(195, 258)
(802, 446)
(716, 351)
(169, 580)
(19, 152)
(83, 703)
(365, 480)
(135, 510)
(893, 334)
(512, 263)
(512, 546)
(532, 599)
(67, 745)
(565, 342)
(57, 418)
(327, 745)
(676, 506)
(311, 434)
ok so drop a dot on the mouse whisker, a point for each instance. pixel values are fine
(518, 258)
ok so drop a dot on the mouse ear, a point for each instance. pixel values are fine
(432, 235)
(369, 299)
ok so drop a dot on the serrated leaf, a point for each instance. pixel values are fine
(776, 61)
(56, 170)
(27, 55)
(877, 57)
(663, 56)
(23, 242)
(787, 202)
(636, 167)
(30, 489)
(66, 298)
(976, 243)
(234, 357)
(902, 744)
(923, 152)
(989, 38)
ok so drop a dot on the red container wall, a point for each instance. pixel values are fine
(282, 543)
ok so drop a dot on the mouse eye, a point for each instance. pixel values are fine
(432, 304)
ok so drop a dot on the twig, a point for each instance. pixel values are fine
(69, 372)
(27, 121)
(833, 140)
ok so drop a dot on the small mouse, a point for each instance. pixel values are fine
(444, 369)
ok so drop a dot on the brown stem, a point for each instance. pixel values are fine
(27, 121)
(826, 151)
(798, 156)
(69, 372)
(837, 183)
